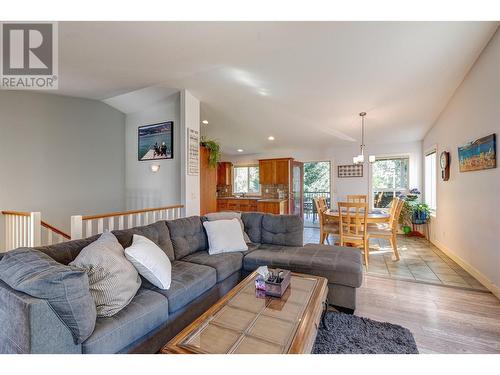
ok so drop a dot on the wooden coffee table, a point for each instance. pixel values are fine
(243, 322)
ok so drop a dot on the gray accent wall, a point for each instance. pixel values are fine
(145, 189)
(60, 155)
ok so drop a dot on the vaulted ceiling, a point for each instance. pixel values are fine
(302, 82)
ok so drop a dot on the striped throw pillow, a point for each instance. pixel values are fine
(113, 280)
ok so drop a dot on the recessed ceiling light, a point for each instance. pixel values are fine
(271, 138)
(205, 122)
(263, 93)
(239, 150)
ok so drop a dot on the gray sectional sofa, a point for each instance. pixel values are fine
(29, 325)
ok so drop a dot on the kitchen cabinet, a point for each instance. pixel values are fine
(208, 184)
(272, 207)
(237, 204)
(224, 173)
(274, 171)
(266, 172)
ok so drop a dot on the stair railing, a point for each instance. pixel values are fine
(87, 226)
(27, 229)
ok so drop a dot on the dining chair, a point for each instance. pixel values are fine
(388, 230)
(357, 198)
(352, 225)
(326, 225)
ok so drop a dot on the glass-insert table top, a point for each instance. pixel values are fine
(249, 323)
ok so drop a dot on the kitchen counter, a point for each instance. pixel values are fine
(258, 199)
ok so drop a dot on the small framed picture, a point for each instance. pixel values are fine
(156, 141)
(352, 170)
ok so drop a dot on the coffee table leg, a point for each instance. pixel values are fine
(323, 315)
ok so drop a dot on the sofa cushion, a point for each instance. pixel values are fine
(113, 280)
(65, 288)
(253, 223)
(66, 252)
(187, 235)
(189, 281)
(145, 312)
(225, 264)
(157, 232)
(340, 265)
(286, 230)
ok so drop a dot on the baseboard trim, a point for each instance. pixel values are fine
(466, 266)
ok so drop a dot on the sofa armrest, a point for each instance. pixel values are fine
(29, 325)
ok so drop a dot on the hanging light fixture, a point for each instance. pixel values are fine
(360, 159)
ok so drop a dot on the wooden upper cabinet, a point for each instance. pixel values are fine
(274, 171)
(267, 170)
(282, 172)
(224, 173)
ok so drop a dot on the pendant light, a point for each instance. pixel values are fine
(360, 159)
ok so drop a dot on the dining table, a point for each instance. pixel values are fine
(374, 217)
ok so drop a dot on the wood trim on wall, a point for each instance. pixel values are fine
(487, 283)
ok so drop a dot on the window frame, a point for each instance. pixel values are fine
(247, 166)
(370, 177)
(430, 151)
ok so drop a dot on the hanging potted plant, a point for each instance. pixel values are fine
(213, 148)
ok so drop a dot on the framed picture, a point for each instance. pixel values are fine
(479, 154)
(156, 141)
(193, 149)
(351, 170)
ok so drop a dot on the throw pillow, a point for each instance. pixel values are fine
(224, 236)
(65, 288)
(114, 281)
(150, 261)
(227, 216)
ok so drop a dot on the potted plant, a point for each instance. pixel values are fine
(406, 216)
(421, 213)
(213, 148)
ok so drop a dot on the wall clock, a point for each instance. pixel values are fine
(444, 161)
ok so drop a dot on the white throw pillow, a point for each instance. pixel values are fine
(150, 261)
(227, 215)
(224, 236)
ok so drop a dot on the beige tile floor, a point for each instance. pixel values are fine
(420, 261)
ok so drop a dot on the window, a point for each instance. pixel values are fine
(246, 180)
(430, 180)
(390, 178)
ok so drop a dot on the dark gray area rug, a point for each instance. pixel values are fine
(350, 334)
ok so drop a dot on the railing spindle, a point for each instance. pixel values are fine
(120, 222)
(88, 229)
(111, 223)
(100, 226)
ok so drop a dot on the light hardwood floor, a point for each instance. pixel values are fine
(442, 319)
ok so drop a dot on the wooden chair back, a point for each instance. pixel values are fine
(352, 219)
(396, 207)
(357, 198)
(321, 207)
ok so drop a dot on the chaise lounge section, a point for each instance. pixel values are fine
(154, 316)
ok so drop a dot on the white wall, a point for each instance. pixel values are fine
(190, 185)
(341, 187)
(60, 155)
(467, 223)
(145, 189)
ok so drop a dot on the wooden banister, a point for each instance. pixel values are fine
(55, 230)
(124, 213)
(16, 213)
